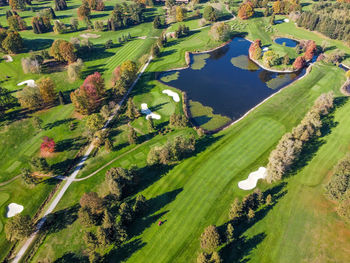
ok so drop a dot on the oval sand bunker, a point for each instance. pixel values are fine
(172, 94)
(149, 114)
(13, 209)
(252, 179)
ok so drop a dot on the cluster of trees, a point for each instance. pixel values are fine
(42, 95)
(240, 211)
(338, 188)
(18, 227)
(285, 7)
(10, 41)
(182, 31)
(246, 10)
(180, 13)
(106, 220)
(290, 146)
(310, 49)
(125, 15)
(210, 14)
(32, 64)
(131, 111)
(63, 50)
(328, 18)
(18, 4)
(15, 22)
(123, 76)
(172, 151)
(90, 95)
(178, 120)
(96, 5)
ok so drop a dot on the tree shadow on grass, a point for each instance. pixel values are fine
(69, 144)
(123, 253)
(54, 124)
(154, 205)
(61, 219)
(36, 44)
(62, 168)
(70, 257)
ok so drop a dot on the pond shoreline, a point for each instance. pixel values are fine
(230, 123)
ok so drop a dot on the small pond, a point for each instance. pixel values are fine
(226, 82)
(288, 42)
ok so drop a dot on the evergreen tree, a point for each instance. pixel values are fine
(132, 136)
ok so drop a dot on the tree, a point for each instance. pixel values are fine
(90, 95)
(210, 238)
(48, 145)
(180, 14)
(270, 58)
(108, 145)
(13, 42)
(132, 136)
(86, 217)
(30, 97)
(60, 5)
(16, 23)
(155, 51)
(41, 24)
(93, 202)
(126, 213)
(84, 11)
(255, 50)
(210, 13)
(246, 10)
(18, 227)
(90, 240)
(74, 69)
(108, 220)
(236, 210)
(128, 68)
(299, 63)
(105, 112)
(277, 7)
(311, 49)
(250, 214)
(132, 112)
(156, 22)
(229, 232)
(140, 205)
(220, 32)
(63, 50)
(178, 120)
(47, 90)
(286, 60)
(268, 200)
(215, 257)
(17, 4)
(150, 125)
(94, 122)
(40, 164)
(28, 178)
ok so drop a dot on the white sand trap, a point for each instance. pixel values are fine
(286, 20)
(29, 83)
(8, 58)
(265, 49)
(173, 94)
(252, 179)
(149, 114)
(89, 35)
(13, 209)
(142, 37)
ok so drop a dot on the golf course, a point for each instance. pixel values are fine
(174, 131)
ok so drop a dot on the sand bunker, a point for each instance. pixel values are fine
(265, 49)
(8, 58)
(286, 20)
(89, 35)
(149, 114)
(29, 83)
(142, 37)
(173, 94)
(13, 209)
(252, 179)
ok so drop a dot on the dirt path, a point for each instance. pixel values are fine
(9, 181)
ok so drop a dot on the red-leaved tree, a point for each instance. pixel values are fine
(48, 145)
(89, 96)
(299, 63)
(310, 50)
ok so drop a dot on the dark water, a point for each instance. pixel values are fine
(230, 90)
(289, 42)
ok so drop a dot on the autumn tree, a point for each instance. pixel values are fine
(18, 227)
(299, 63)
(16, 23)
(47, 90)
(236, 210)
(17, 4)
(270, 58)
(310, 51)
(246, 10)
(180, 14)
(255, 51)
(210, 239)
(90, 95)
(84, 11)
(41, 24)
(13, 42)
(210, 14)
(30, 97)
(94, 122)
(220, 32)
(48, 145)
(74, 69)
(93, 202)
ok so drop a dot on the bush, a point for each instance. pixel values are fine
(210, 239)
(220, 32)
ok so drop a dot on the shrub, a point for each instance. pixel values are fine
(210, 239)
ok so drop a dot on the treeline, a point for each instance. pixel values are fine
(338, 188)
(329, 18)
(290, 146)
(241, 212)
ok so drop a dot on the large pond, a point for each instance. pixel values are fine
(227, 81)
(286, 41)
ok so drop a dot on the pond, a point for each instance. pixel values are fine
(226, 83)
(288, 42)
